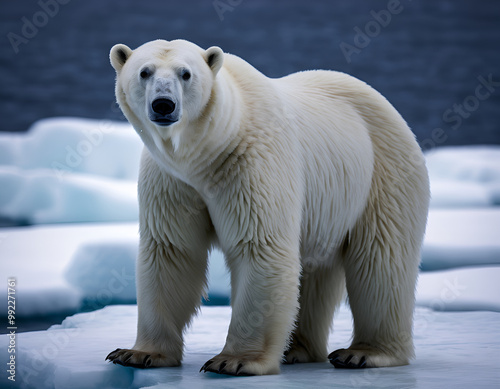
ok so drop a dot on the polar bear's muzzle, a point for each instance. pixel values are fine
(162, 111)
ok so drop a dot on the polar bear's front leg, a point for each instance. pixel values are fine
(265, 302)
(170, 282)
(171, 268)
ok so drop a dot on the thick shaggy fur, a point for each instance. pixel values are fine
(310, 184)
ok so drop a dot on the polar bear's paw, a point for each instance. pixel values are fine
(298, 354)
(140, 359)
(239, 366)
(359, 358)
(301, 350)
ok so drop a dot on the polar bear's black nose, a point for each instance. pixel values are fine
(163, 106)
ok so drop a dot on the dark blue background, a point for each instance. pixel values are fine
(427, 59)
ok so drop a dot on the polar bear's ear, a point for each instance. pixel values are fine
(215, 58)
(119, 55)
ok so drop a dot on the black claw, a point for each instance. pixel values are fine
(239, 368)
(206, 365)
(118, 362)
(112, 352)
(295, 360)
(347, 364)
(335, 361)
(222, 366)
(147, 361)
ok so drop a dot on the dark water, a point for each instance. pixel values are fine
(424, 56)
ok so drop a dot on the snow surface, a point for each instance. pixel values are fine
(104, 271)
(70, 170)
(83, 170)
(469, 289)
(461, 237)
(464, 176)
(38, 257)
(454, 349)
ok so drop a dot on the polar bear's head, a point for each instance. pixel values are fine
(163, 85)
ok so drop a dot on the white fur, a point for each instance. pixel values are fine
(308, 183)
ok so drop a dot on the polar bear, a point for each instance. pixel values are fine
(311, 184)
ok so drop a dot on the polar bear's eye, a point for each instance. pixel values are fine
(186, 75)
(145, 73)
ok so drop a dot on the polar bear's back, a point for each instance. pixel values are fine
(350, 136)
